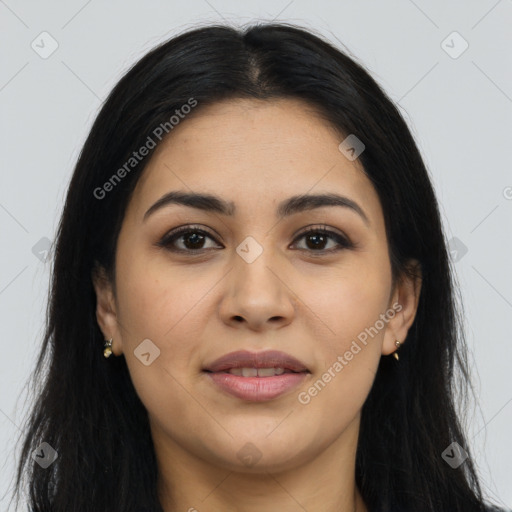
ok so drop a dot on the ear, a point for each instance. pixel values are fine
(106, 315)
(404, 301)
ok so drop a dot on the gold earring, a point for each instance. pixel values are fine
(107, 351)
(395, 354)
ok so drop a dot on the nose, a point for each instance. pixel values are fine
(256, 295)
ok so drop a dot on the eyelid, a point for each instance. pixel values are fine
(320, 228)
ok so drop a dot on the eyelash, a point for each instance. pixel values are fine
(169, 238)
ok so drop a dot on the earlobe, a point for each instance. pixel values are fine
(106, 314)
(405, 302)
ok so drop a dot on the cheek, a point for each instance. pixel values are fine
(349, 308)
(349, 301)
(157, 299)
(163, 307)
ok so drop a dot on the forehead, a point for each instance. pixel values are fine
(254, 153)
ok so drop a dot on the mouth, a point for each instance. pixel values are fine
(257, 372)
(247, 362)
(256, 377)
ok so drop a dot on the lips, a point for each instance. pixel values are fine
(256, 377)
(256, 360)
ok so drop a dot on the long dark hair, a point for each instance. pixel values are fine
(86, 407)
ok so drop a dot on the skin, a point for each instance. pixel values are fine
(198, 308)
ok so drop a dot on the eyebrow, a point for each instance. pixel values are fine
(288, 207)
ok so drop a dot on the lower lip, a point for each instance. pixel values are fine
(257, 389)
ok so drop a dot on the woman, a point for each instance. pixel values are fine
(252, 230)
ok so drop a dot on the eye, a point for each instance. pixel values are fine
(317, 237)
(191, 237)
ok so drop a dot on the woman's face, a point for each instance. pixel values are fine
(250, 279)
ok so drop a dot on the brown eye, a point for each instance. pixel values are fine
(317, 238)
(191, 240)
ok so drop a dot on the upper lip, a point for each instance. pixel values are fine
(266, 359)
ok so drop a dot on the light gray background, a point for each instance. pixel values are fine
(459, 109)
